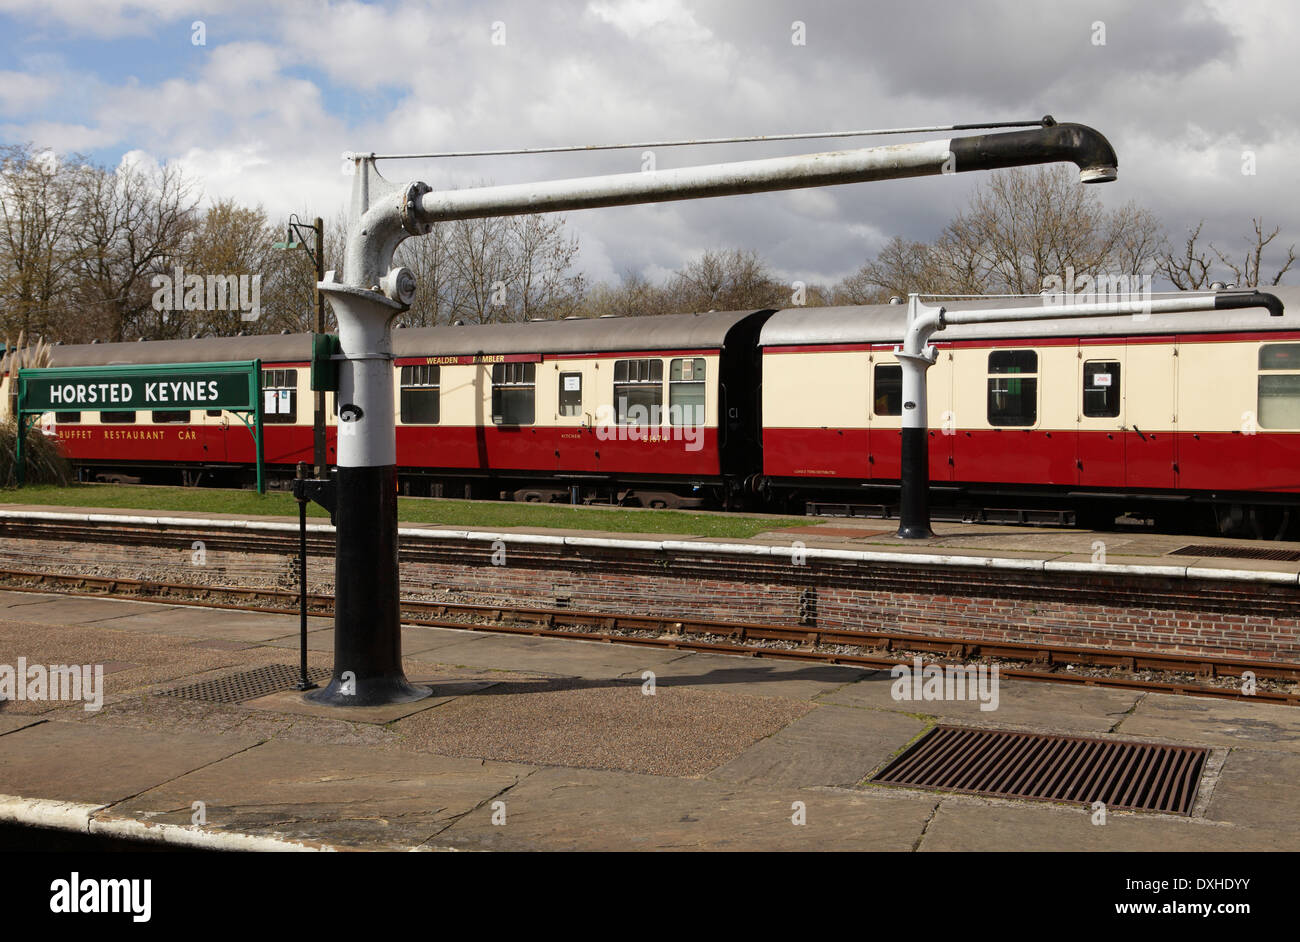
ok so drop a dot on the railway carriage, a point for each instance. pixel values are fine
(1194, 418)
(657, 410)
(1191, 418)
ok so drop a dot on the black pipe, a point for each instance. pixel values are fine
(367, 656)
(1078, 143)
(914, 494)
(304, 682)
(1235, 300)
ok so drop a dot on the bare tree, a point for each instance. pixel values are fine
(1189, 271)
(493, 270)
(1025, 226)
(1192, 269)
(633, 296)
(37, 202)
(1021, 228)
(132, 224)
(1248, 272)
(726, 280)
(900, 268)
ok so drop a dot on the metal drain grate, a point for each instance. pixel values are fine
(1236, 552)
(236, 688)
(1006, 764)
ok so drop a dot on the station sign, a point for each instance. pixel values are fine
(232, 386)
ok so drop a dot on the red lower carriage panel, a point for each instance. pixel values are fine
(1218, 461)
(1101, 458)
(691, 452)
(147, 443)
(188, 444)
(1150, 459)
(1016, 456)
(819, 453)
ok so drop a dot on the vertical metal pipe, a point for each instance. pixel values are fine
(318, 432)
(914, 471)
(367, 617)
(304, 682)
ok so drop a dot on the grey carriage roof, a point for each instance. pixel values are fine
(585, 335)
(884, 323)
(881, 323)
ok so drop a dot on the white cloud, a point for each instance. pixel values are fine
(22, 92)
(265, 118)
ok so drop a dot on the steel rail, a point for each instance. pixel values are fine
(677, 634)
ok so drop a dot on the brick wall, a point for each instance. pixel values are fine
(1111, 611)
(1186, 616)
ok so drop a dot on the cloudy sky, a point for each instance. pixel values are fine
(263, 109)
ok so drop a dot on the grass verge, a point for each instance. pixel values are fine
(479, 515)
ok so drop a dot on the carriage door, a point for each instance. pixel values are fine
(1149, 412)
(1100, 386)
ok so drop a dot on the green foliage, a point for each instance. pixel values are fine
(45, 462)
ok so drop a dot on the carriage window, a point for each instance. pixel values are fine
(117, 418)
(638, 391)
(420, 394)
(279, 397)
(889, 389)
(161, 418)
(214, 413)
(67, 417)
(514, 389)
(686, 391)
(1101, 395)
(1279, 385)
(1013, 387)
(570, 394)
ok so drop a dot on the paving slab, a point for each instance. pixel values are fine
(80, 610)
(10, 723)
(132, 660)
(832, 745)
(1024, 826)
(565, 658)
(1269, 726)
(444, 690)
(1258, 789)
(765, 677)
(103, 764)
(416, 639)
(607, 724)
(190, 621)
(1020, 704)
(10, 599)
(341, 795)
(564, 809)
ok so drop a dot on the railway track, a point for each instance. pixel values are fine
(1178, 674)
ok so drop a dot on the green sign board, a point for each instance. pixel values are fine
(161, 388)
(233, 386)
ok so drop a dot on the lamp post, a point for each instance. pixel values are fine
(295, 240)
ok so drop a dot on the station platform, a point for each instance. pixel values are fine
(1124, 546)
(548, 744)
